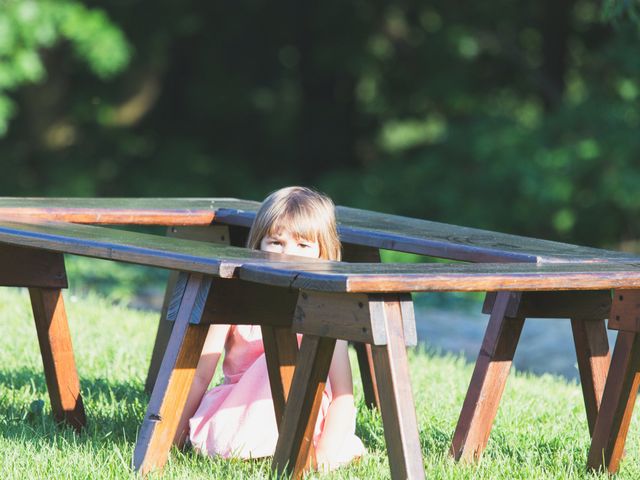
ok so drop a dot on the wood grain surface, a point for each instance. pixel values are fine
(356, 226)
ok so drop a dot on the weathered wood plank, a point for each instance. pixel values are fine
(174, 379)
(360, 227)
(27, 267)
(396, 398)
(394, 277)
(121, 211)
(132, 247)
(57, 356)
(354, 317)
(487, 381)
(341, 316)
(618, 400)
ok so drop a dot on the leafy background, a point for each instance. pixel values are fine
(515, 116)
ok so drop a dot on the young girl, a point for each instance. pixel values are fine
(236, 419)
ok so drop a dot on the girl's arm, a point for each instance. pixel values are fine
(211, 351)
(340, 415)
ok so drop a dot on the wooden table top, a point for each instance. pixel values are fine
(356, 226)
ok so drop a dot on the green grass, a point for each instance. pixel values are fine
(540, 431)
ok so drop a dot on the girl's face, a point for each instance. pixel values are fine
(289, 244)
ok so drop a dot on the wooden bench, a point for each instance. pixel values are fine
(218, 279)
(208, 291)
(364, 233)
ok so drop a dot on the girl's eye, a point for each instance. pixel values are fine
(304, 245)
(275, 242)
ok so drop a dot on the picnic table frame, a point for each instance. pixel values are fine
(587, 311)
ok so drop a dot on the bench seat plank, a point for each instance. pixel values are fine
(261, 267)
(144, 249)
(480, 277)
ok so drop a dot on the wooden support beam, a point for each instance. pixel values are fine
(590, 304)
(618, 400)
(28, 267)
(592, 351)
(214, 233)
(174, 379)
(281, 352)
(396, 398)
(488, 380)
(362, 317)
(294, 450)
(57, 356)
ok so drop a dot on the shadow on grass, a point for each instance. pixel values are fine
(114, 410)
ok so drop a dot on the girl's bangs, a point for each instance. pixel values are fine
(297, 223)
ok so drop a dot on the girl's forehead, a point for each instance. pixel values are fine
(288, 232)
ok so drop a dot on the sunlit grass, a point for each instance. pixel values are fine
(540, 431)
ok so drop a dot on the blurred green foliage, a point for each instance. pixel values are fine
(519, 117)
(28, 28)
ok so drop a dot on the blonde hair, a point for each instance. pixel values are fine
(302, 212)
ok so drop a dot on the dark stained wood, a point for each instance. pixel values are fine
(338, 315)
(625, 311)
(294, 450)
(360, 227)
(393, 232)
(133, 247)
(592, 351)
(278, 270)
(281, 352)
(585, 304)
(238, 302)
(367, 374)
(357, 253)
(121, 211)
(402, 277)
(176, 285)
(618, 400)
(57, 356)
(212, 233)
(396, 398)
(27, 267)
(354, 317)
(487, 381)
(174, 379)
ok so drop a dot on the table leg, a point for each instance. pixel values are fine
(618, 400)
(174, 378)
(367, 374)
(294, 450)
(592, 351)
(487, 382)
(57, 356)
(396, 398)
(355, 254)
(162, 335)
(281, 352)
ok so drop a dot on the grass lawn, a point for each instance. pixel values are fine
(540, 431)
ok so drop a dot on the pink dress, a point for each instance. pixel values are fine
(236, 419)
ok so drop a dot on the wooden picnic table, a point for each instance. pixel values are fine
(365, 302)
(363, 233)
